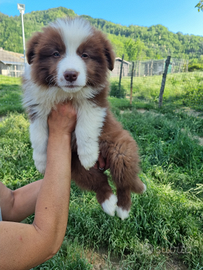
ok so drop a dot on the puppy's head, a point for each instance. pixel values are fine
(70, 54)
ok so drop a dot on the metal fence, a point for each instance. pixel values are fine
(12, 64)
(149, 67)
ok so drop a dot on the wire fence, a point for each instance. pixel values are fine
(128, 78)
(12, 67)
(149, 67)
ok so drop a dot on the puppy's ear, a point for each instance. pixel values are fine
(109, 53)
(31, 46)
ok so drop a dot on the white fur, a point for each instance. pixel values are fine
(40, 101)
(34, 94)
(90, 120)
(123, 214)
(39, 138)
(109, 206)
(145, 188)
(73, 33)
(71, 62)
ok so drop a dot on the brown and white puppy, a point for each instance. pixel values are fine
(70, 60)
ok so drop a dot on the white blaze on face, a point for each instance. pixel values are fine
(73, 33)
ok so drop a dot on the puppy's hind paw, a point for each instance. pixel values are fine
(109, 205)
(122, 213)
(145, 188)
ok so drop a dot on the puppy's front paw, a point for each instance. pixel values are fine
(41, 166)
(88, 160)
(40, 162)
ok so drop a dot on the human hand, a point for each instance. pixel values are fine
(62, 120)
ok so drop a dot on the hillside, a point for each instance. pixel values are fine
(136, 42)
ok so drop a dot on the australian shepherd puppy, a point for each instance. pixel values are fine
(70, 60)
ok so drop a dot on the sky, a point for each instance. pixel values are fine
(176, 15)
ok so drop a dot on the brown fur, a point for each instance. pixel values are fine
(120, 149)
(116, 144)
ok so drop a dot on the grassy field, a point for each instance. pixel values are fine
(10, 95)
(165, 227)
(184, 89)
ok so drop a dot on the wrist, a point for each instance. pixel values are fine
(59, 142)
(59, 136)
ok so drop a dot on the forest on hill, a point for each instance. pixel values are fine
(135, 42)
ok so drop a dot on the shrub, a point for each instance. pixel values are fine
(194, 95)
(194, 67)
(114, 92)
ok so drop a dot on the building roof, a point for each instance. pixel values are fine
(11, 58)
(120, 59)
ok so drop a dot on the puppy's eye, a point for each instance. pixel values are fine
(85, 56)
(56, 54)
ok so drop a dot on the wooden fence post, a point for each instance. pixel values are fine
(131, 83)
(151, 67)
(135, 67)
(180, 66)
(187, 65)
(164, 80)
(119, 84)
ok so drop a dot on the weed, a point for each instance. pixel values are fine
(115, 92)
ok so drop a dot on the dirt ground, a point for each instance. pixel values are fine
(101, 261)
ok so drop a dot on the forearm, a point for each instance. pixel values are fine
(6, 199)
(51, 213)
(24, 246)
(18, 204)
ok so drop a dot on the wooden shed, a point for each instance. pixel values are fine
(126, 67)
(11, 63)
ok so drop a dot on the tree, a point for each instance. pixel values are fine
(135, 42)
(200, 5)
(131, 49)
(134, 49)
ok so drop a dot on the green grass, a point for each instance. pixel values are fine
(180, 90)
(165, 223)
(10, 95)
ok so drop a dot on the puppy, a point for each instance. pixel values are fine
(70, 60)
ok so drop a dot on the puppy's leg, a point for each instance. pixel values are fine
(39, 138)
(96, 181)
(124, 202)
(90, 120)
(124, 166)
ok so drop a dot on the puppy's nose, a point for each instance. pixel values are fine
(70, 75)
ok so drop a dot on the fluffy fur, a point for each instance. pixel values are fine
(70, 60)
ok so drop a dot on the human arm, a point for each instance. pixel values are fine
(18, 204)
(23, 246)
